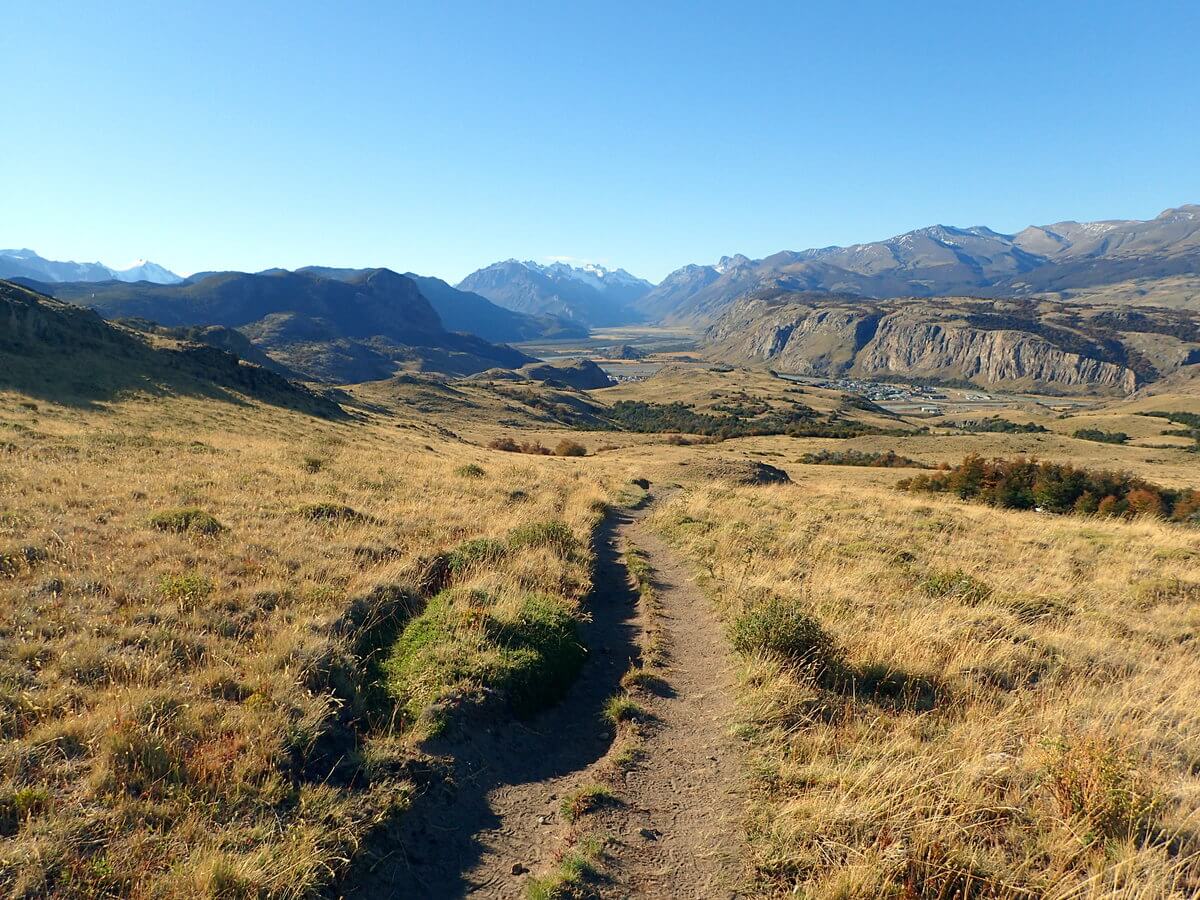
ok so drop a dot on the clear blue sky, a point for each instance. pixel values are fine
(440, 136)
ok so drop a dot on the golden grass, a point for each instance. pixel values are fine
(194, 712)
(196, 597)
(1035, 735)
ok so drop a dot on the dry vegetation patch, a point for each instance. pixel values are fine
(951, 701)
(197, 600)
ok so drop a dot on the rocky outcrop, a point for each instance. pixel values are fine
(1002, 359)
(1004, 344)
(581, 374)
(801, 340)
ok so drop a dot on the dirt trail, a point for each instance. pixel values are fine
(681, 829)
(497, 818)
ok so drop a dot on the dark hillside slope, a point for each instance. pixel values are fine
(67, 354)
(466, 311)
(360, 329)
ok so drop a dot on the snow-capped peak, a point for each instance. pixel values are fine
(144, 270)
(594, 275)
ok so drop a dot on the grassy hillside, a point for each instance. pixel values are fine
(951, 701)
(195, 601)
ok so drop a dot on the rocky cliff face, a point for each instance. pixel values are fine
(1001, 359)
(996, 344)
(795, 339)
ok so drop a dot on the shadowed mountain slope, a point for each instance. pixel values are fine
(69, 354)
(362, 328)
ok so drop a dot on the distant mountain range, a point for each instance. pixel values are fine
(809, 309)
(27, 264)
(362, 327)
(590, 295)
(945, 261)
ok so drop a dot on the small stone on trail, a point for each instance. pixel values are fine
(519, 869)
(543, 820)
(650, 834)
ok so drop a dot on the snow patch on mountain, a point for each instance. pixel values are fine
(594, 275)
(28, 264)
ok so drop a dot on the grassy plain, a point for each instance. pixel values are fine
(229, 699)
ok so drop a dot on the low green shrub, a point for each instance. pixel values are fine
(621, 708)
(470, 470)
(11, 561)
(330, 512)
(186, 588)
(530, 657)
(190, 520)
(780, 627)
(19, 804)
(474, 553)
(574, 877)
(1100, 786)
(556, 535)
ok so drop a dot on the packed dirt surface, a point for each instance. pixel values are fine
(680, 832)
(496, 821)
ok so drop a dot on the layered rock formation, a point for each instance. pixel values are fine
(1018, 345)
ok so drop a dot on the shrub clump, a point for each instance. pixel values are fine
(190, 520)
(464, 639)
(886, 460)
(779, 627)
(958, 585)
(470, 470)
(1098, 784)
(737, 420)
(19, 804)
(508, 445)
(997, 425)
(567, 447)
(556, 535)
(11, 561)
(477, 552)
(330, 512)
(187, 588)
(1023, 483)
(1101, 437)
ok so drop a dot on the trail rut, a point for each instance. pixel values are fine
(482, 832)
